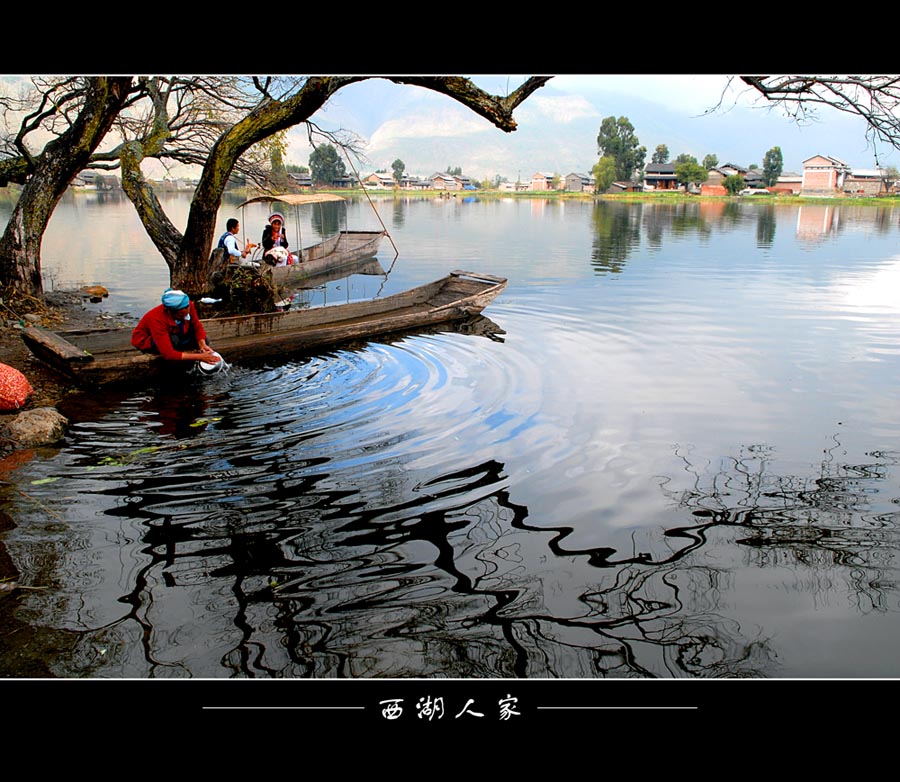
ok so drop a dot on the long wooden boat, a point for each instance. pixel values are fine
(332, 252)
(102, 356)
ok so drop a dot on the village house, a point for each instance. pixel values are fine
(788, 183)
(541, 181)
(625, 186)
(408, 182)
(303, 181)
(660, 176)
(579, 183)
(866, 182)
(444, 181)
(823, 175)
(380, 180)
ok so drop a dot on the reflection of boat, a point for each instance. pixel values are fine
(99, 356)
(332, 252)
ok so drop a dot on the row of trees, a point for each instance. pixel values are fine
(219, 123)
(622, 158)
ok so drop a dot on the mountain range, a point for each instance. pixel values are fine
(558, 126)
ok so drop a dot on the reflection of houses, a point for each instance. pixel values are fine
(823, 175)
(579, 183)
(660, 176)
(815, 222)
(541, 181)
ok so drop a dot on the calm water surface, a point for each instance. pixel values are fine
(680, 460)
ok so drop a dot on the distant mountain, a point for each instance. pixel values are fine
(557, 130)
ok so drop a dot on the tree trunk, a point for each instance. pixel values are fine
(191, 268)
(159, 227)
(53, 172)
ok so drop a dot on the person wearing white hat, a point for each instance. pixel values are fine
(173, 330)
(274, 237)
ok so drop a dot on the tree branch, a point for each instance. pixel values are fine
(496, 109)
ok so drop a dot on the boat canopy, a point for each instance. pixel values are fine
(294, 199)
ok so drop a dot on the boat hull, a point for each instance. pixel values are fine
(105, 356)
(341, 252)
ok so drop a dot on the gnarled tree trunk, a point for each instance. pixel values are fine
(51, 174)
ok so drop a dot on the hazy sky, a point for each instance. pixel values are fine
(558, 125)
(693, 113)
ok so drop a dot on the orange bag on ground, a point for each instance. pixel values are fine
(14, 388)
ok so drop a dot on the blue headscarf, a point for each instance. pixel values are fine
(175, 299)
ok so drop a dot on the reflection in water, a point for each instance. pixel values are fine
(327, 219)
(261, 548)
(617, 231)
(765, 226)
(443, 505)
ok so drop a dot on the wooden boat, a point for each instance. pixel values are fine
(102, 356)
(333, 252)
(307, 275)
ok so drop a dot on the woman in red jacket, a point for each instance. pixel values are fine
(173, 330)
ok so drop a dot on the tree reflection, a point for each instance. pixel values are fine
(327, 219)
(617, 231)
(765, 226)
(281, 565)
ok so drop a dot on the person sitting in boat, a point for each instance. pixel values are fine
(275, 243)
(173, 330)
(228, 241)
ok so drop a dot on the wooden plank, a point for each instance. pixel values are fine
(477, 276)
(56, 344)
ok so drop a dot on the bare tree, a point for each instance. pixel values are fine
(214, 122)
(876, 99)
(79, 111)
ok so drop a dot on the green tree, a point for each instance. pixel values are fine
(293, 168)
(399, 167)
(772, 166)
(734, 184)
(618, 140)
(274, 149)
(661, 155)
(690, 172)
(326, 165)
(710, 161)
(684, 157)
(604, 174)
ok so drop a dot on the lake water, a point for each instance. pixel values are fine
(681, 459)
